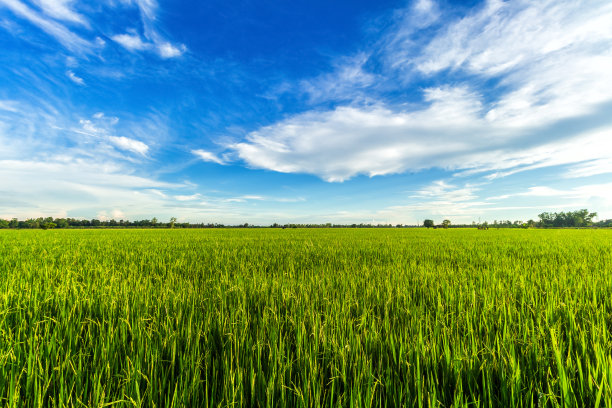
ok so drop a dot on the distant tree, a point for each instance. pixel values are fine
(428, 223)
(31, 223)
(4, 224)
(446, 223)
(580, 218)
(154, 221)
(61, 222)
(172, 222)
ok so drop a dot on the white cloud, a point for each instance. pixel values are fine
(591, 168)
(441, 190)
(188, 197)
(63, 35)
(554, 56)
(552, 106)
(208, 156)
(467, 203)
(9, 106)
(584, 192)
(54, 14)
(348, 80)
(148, 9)
(505, 35)
(62, 10)
(89, 127)
(593, 147)
(132, 41)
(153, 40)
(424, 6)
(74, 78)
(347, 141)
(167, 50)
(115, 214)
(131, 145)
(30, 187)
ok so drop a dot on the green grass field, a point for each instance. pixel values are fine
(343, 317)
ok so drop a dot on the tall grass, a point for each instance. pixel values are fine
(352, 318)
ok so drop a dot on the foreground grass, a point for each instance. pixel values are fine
(306, 318)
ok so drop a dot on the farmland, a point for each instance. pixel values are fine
(270, 317)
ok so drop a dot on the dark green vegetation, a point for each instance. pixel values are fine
(580, 218)
(571, 219)
(262, 317)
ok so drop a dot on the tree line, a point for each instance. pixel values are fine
(571, 219)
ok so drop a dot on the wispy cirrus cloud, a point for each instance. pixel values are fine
(131, 41)
(348, 80)
(125, 143)
(62, 10)
(441, 189)
(75, 78)
(55, 29)
(548, 63)
(9, 106)
(590, 168)
(58, 19)
(208, 156)
(153, 40)
(191, 197)
(602, 190)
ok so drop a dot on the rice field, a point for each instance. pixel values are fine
(301, 318)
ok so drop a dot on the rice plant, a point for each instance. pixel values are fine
(323, 317)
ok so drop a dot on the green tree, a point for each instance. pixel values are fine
(172, 222)
(4, 224)
(428, 223)
(580, 218)
(446, 223)
(61, 222)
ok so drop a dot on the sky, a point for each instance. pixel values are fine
(306, 111)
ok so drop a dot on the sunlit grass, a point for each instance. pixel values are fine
(367, 317)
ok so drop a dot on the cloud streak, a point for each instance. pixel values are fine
(57, 16)
(74, 78)
(63, 35)
(550, 60)
(208, 156)
(154, 41)
(62, 10)
(125, 143)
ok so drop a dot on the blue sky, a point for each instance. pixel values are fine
(305, 111)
